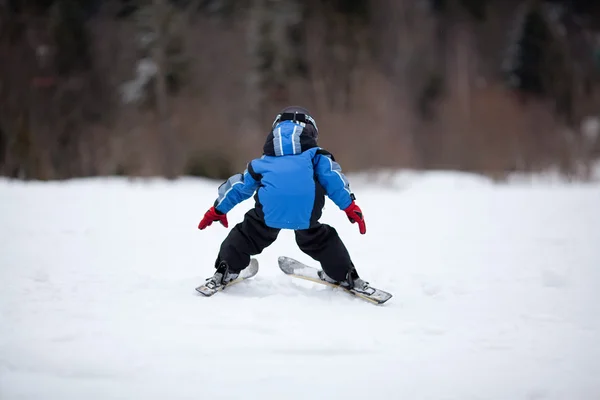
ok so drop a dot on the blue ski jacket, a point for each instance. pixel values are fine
(289, 181)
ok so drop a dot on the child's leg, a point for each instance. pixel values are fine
(324, 245)
(248, 238)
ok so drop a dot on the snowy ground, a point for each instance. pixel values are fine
(496, 296)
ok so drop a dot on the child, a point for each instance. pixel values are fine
(290, 181)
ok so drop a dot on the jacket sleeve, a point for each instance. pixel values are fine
(330, 176)
(236, 189)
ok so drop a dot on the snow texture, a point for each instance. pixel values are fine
(495, 296)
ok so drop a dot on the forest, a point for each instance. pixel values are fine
(190, 87)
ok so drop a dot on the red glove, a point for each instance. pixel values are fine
(355, 215)
(211, 216)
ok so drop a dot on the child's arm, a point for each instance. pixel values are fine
(330, 176)
(236, 189)
(233, 191)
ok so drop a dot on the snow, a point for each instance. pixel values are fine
(133, 90)
(495, 295)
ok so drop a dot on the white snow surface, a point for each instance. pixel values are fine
(496, 296)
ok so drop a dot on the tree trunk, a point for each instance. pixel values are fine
(160, 91)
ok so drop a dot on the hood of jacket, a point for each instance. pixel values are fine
(289, 138)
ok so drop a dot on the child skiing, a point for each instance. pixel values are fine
(290, 180)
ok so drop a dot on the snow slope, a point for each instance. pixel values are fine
(495, 296)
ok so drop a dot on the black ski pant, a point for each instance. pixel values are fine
(252, 236)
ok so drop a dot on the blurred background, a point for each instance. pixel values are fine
(190, 87)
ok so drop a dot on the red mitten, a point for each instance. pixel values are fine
(211, 216)
(355, 215)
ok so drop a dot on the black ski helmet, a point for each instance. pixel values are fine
(297, 114)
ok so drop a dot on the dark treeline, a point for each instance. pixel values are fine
(159, 87)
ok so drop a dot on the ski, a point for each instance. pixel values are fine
(300, 270)
(209, 288)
